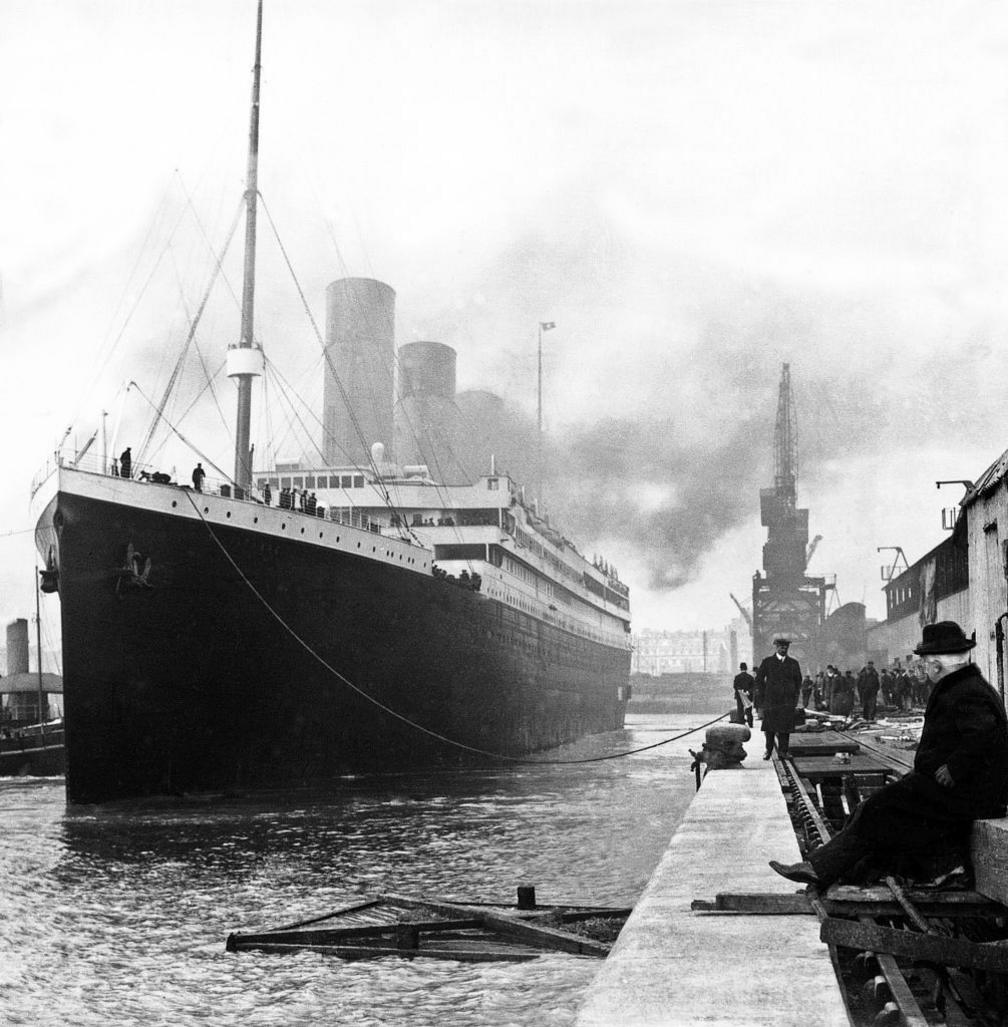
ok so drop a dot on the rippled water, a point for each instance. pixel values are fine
(119, 915)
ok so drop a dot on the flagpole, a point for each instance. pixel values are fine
(539, 446)
(544, 326)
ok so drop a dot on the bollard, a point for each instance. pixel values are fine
(526, 896)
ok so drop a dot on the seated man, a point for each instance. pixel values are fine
(960, 773)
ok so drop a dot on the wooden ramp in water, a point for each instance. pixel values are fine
(405, 926)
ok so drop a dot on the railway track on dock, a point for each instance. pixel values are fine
(903, 956)
(899, 759)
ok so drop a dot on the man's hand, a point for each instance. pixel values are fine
(943, 777)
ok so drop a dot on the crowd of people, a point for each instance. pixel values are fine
(960, 771)
(831, 691)
(896, 687)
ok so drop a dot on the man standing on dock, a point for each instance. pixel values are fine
(744, 685)
(960, 774)
(868, 688)
(778, 686)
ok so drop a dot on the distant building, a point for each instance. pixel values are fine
(935, 587)
(21, 689)
(681, 652)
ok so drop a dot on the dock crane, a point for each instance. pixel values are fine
(811, 549)
(746, 615)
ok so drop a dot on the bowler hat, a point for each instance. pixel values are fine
(944, 637)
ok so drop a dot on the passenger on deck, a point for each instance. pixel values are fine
(198, 475)
(266, 494)
(778, 686)
(126, 463)
(744, 687)
(960, 775)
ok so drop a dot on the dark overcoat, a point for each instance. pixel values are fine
(744, 682)
(965, 730)
(778, 686)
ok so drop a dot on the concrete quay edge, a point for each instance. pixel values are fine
(673, 967)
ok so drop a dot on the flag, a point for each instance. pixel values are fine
(547, 325)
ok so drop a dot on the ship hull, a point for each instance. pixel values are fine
(234, 660)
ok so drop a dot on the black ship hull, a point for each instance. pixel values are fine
(197, 673)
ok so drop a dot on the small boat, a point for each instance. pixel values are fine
(410, 927)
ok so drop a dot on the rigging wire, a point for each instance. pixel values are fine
(159, 410)
(378, 482)
(192, 446)
(110, 348)
(383, 489)
(15, 531)
(388, 709)
(350, 499)
(364, 315)
(199, 352)
(185, 413)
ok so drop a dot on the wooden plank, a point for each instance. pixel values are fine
(900, 760)
(546, 937)
(331, 935)
(910, 944)
(815, 768)
(515, 927)
(852, 893)
(901, 993)
(376, 952)
(759, 903)
(913, 914)
(821, 743)
(342, 911)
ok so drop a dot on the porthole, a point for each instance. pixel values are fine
(174, 503)
(320, 534)
(283, 526)
(206, 509)
(302, 531)
(255, 520)
(337, 538)
(229, 513)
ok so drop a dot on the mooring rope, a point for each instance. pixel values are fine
(400, 717)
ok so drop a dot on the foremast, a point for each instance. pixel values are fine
(245, 360)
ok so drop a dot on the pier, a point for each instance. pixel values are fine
(718, 938)
(676, 965)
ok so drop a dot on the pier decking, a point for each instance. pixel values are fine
(675, 966)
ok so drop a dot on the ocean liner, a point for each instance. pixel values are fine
(299, 621)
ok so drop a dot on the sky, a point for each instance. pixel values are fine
(695, 193)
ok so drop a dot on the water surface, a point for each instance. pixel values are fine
(118, 915)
